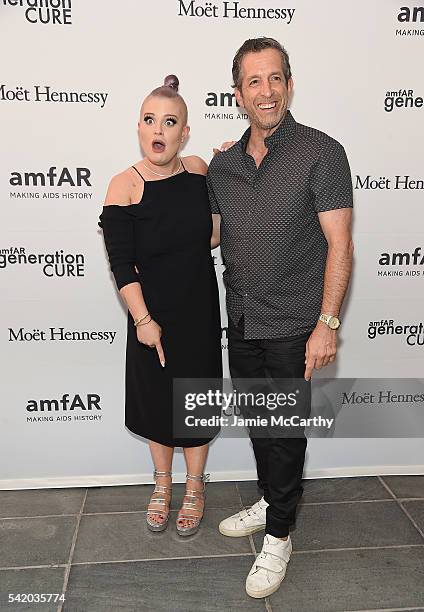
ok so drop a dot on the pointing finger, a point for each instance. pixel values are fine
(161, 354)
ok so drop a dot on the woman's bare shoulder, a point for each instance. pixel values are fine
(120, 188)
(195, 164)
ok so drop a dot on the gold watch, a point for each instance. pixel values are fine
(330, 320)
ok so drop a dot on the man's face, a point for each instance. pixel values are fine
(264, 93)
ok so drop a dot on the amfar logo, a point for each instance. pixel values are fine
(409, 14)
(55, 12)
(414, 334)
(52, 264)
(232, 10)
(44, 93)
(382, 182)
(54, 334)
(58, 409)
(78, 177)
(403, 98)
(224, 99)
(396, 259)
(416, 258)
(54, 177)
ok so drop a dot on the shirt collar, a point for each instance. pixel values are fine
(285, 131)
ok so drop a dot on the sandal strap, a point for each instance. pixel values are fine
(198, 496)
(162, 489)
(151, 509)
(157, 473)
(192, 517)
(200, 477)
(162, 503)
(195, 504)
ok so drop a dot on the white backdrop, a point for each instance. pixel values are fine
(346, 57)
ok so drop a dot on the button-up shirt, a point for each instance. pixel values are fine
(272, 244)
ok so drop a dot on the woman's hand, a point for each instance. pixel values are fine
(224, 146)
(150, 334)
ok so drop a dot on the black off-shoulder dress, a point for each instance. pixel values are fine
(167, 237)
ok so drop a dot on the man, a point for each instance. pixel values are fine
(282, 196)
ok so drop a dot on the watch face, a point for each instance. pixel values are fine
(334, 323)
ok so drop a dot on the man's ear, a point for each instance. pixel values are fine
(290, 85)
(239, 97)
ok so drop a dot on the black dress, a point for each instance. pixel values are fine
(167, 237)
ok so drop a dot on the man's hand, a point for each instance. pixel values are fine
(321, 348)
(224, 146)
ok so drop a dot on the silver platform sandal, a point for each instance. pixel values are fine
(192, 505)
(162, 490)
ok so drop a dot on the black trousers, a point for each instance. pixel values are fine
(279, 461)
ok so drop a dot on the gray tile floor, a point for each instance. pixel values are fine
(358, 545)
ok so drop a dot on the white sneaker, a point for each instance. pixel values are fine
(245, 522)
(269, 568)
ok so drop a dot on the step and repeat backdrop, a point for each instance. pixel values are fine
(72, 78)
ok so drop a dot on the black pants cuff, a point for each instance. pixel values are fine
(280, 532)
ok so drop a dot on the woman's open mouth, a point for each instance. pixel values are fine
(158, 146)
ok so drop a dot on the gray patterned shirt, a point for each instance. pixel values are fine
(272, 243)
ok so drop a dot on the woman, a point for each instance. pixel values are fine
(158, 232)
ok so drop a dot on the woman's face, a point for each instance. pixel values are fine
(162, 128)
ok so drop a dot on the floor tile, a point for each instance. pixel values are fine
(32, 580)
(350, 525)
(37, 502)
(343, 489)
(416, 510)
(117, 499)
(352, 580)
(406, 486)
(363, 579)
(36, 541)
(112, 537)
(186, 585)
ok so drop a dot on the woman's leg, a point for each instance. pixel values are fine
(195, 458)
(162, 460)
